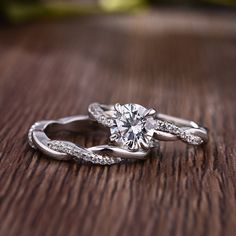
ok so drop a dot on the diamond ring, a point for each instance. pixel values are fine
(38, 138)
(136, 128)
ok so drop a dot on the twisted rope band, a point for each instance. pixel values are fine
(166, 127)
(64, 150)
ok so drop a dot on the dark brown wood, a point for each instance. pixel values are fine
(181, 62)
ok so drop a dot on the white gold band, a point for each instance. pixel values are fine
(165, 127)
(64, 150)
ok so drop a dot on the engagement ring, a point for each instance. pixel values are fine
(134, 127)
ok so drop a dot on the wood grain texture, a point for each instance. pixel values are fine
(181, 62)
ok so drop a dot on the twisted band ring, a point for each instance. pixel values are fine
(134, 127)
(64, 150)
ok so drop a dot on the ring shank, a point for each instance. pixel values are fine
(39, 139)
(193, 127)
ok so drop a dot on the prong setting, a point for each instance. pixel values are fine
(150, 112)
(132, 145)
(118, 107)
(145, 145)
(114, 137)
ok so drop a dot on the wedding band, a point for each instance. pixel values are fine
(136, 128)
(64, 150)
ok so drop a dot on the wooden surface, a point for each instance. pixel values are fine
(181, 62)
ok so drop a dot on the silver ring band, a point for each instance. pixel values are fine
(163, 127)
(64, 150)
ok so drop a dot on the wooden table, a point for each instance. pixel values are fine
(180, 61)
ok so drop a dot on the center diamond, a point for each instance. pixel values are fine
(133, 126)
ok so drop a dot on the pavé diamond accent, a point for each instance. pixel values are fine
(82, 153)
(30, 133)
(97, 113)
(185, 135)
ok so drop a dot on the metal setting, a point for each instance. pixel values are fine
(64, 150)
(135, 128)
